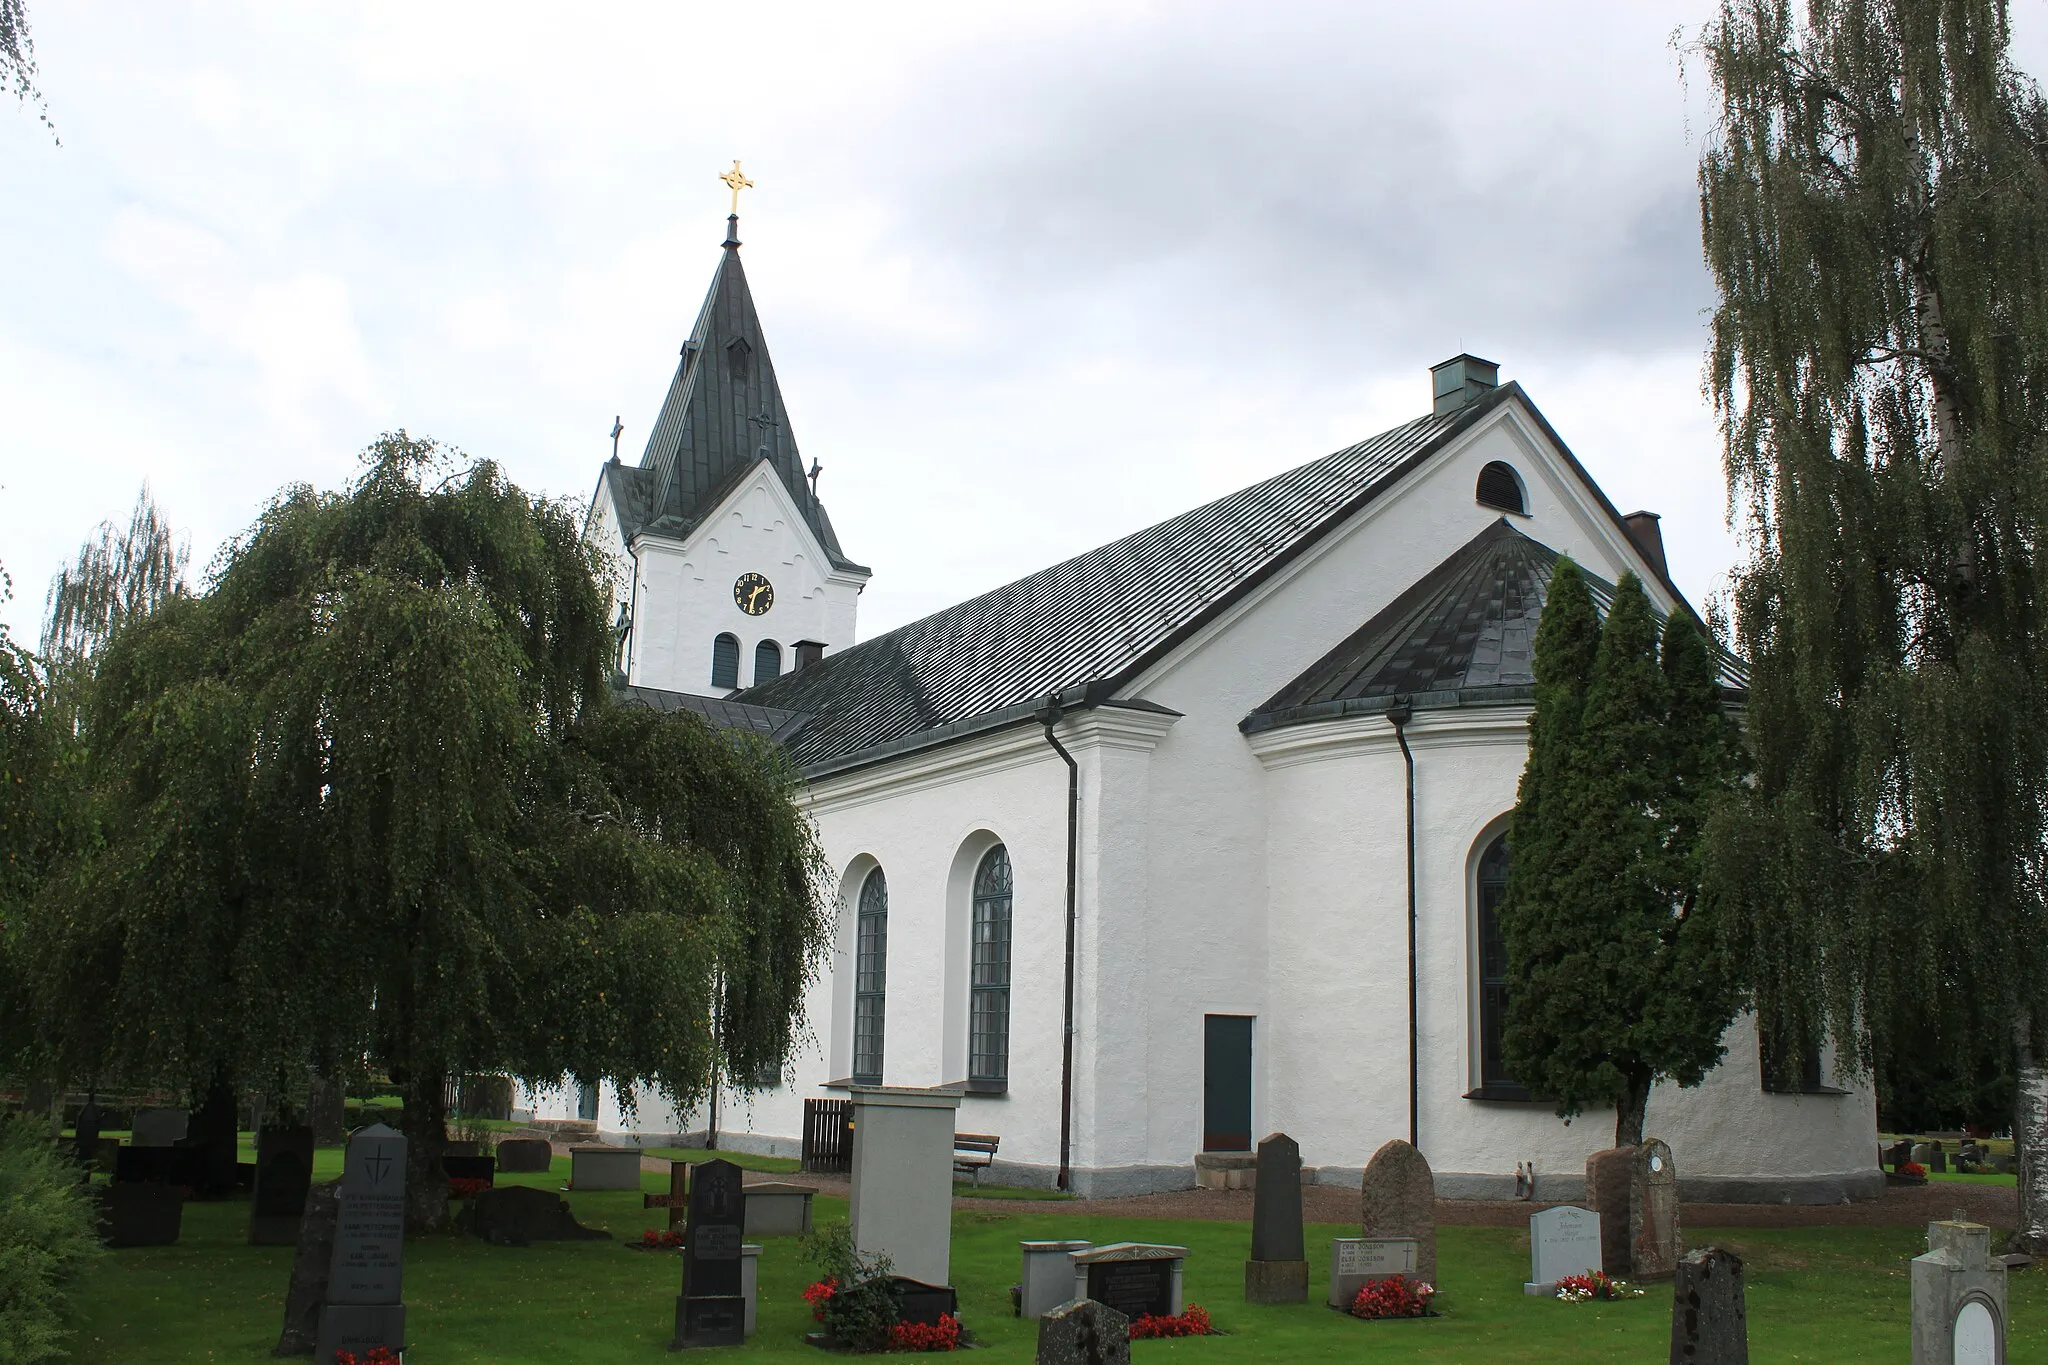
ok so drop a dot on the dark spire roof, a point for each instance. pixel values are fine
(1463, 635)
(723, 415)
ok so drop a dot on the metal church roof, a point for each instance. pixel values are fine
(719, 712)
(1092, 622)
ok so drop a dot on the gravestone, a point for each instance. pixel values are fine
(1958, 1298)
(141, 1213)
(1135, 1278)
(308, 1288)
(520, 1215)
(1278, 1269)
(524, 1156)
(778, 1210)
(1562, 1241)
(595, 1166)
(85, 1143)
(1937, 1159)
(327, 1113)
(284, 1173)
(1356, 1262)
(1084, 1332)
(1898, 1154)
(484, 1168)
(901, 1205)
(1610, 1175)
(365, 1305)
(1655, 1238)
(923, 1304)
(1399, 1200)
(1048, 1277)
(158, 1128)
(711, 1310)
(677, 1200)
(1923, 1154)
(1709, 1322)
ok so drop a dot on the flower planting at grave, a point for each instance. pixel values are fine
(818, 1295)
(376, 1355)
(462, 1188)
(943, 1335)
(1912, 1170)
(1394, 1297)
(1193, 1321)
(658, 1239)
(1594, 1285)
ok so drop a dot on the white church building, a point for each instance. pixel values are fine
(1128, 851)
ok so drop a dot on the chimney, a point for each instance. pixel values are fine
(1643, 530)
(808, 652)
(1459, 381)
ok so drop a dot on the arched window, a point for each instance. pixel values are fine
(988, 1027)
(1493, 970)
(870, 977)
(1500, 486)
(767, 661)
(725, 661)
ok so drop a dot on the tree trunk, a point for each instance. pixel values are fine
(2030, 1142)
(426, 1133)
(1629, 1110)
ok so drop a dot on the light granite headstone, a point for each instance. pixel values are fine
(1958, 1298)
(1399, 1200)
(1047, 1280)
(1356, 1262)
(775, 1209)
(1562, 1241)
(1084, 1332)
(595, 1166)
(901, 1204)
(1278, 1269)
(365, 1305)
(1655, 1238)
(1709, 1322)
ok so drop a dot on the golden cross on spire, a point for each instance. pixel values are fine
(736, 182)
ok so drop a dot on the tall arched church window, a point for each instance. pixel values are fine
(725, 661)
(988, 1026)
(1501, 487)
(767, 661)
(1493, 972)
(870, 977)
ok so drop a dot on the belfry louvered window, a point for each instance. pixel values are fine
(725, 661)
(988, 1028)
(870, 977)
(767, 661)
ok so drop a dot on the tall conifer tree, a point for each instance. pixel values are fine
(1875, 212)
(1617, 974)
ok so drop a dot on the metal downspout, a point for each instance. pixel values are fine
(1398, 715)
(1051, 717)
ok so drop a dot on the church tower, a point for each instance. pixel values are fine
(728, 570)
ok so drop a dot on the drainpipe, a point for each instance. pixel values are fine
(1051, 717)
(1399, 714)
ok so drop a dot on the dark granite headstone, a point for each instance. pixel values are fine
(1709, 1324)
(1278, 1269)
(156, 1166)
(1084, 1332)
(284, 1172)
(482, 1168)
(524, 1156)
(85, 1145)
(213, 1135)
(1399, 1200)
(1937, 1159)
(921, 1303)
(519, 1215)
(711, 1310)
(365, 1305)
(141, 1213)
(1898, 1154)
(308, 1288)
(1609, 1176)
(1133, 1288)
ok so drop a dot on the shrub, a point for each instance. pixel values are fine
(861, 1307)
(47, 1235)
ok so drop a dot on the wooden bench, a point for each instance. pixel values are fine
(974, 1153)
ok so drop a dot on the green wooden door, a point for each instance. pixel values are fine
(1227, 1083)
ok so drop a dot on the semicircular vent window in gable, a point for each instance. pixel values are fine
(1500, 486)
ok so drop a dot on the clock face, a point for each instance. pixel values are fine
(753, 594)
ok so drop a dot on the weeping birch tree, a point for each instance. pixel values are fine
(1875, 211)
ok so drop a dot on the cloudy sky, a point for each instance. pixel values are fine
(1034, 274)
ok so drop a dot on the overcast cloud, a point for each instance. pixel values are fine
(1034, 275)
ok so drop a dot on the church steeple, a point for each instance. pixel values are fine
(724, 413)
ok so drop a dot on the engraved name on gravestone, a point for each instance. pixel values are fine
(1357, 1261)
(365, 1280)
(711, 1310)
(1562, 1241)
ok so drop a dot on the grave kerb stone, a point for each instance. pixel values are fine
(901, 1204)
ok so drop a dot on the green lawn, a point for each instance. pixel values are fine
(1833, 1295)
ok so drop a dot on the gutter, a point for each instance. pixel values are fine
(1398, 714)
(1050, 716)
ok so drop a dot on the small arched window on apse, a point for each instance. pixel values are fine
(1493, 972)
(767, 661)
(988, 1016)
(725, 661)
(870, 977)
(1501, 487)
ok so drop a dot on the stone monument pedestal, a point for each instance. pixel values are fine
(902, 1202)
(1276, 1281)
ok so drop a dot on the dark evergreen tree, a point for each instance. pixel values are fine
(1618, 974)
(368, 801)
(1875, 211)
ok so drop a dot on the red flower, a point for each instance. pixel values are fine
(943, 1335)
(1394, 1297)
(655, 1239)
(1912, 1168)
(463, 1188)
(379, 1355)
(816, 1296)
(1192, 1322)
